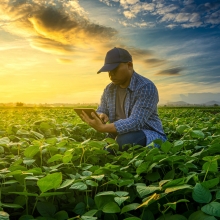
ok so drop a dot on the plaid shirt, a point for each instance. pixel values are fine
(140, 108)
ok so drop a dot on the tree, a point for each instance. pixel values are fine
(19, 104)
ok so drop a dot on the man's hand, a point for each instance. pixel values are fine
(97, 124)
(104, 117)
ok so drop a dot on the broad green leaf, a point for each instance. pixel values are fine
(80, 208)
(31, 151)
(175, 188)
(102, 200)
(212, 208)
(28, 161)
(210, 166)
(201, 194)
(176, 182)
(79, 186)
(169, 175)
(61, 215)
(99, 178)
(181, 128)
(121, 193)
(210, 183)
(66, 183)
(218, 194)
(88, 218)
(120, 200)
(106, 193)
(91, 212)
(130, 207)
(153, 176)
(166, 146)
(197, 134)
(46, 209)
(51, 181)
(199, 215)
(87, 173)
(26, 217)
(91, 183)
(4, 141)
(143, 167)
(56, 157)
(146, 190)
(38, 135)
(111, 207)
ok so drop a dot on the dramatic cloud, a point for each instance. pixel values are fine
(171, 72)
(52, 26)
(187, 13)
(154, 62)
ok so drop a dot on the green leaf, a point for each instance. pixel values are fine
(218, 195)
(146, 190)
(166, 146)
(4, 141)
(130, 207)
(175, 188)
(10, 205)
(99, 178)
(197, 134)
(111, 207)
(31, 151)
(176, 182)
(212, 208)
(47, 194)
(79, 186)
(143, 167)
(66, 183)
(121, 193)
(201, 194)
(199, 215)
(61, 215)
(181, 128)
(173, 204)
(46, 209)
(26, 217)
(80, 208)
(51, 181)
(210, 183)
(153, 176)
(91, 212)
(91, 183)
(210, 166)
(102, 200)
(55, 157)
(120, 200)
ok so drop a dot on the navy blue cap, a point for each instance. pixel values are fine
(114, 57)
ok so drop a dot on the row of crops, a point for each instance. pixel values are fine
(54, 167)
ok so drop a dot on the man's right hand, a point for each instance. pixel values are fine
(104, 117)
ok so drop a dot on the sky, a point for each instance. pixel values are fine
(50, 51)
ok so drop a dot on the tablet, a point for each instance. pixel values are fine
(88, 111)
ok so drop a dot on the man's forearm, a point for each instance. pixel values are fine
(109, 128)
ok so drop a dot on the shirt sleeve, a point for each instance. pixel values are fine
(145, 104)
(103, 108)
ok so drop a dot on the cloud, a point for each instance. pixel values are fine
(171, 72)
(185, 14)
(153, 62)
(64, 61)
(52, 26)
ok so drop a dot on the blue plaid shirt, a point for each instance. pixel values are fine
(140, 108)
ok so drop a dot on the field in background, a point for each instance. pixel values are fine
(54, 166)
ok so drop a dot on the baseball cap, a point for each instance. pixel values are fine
(114, 57)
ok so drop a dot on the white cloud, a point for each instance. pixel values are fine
(129, 14)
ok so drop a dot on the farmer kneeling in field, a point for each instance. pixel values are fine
(129, 103)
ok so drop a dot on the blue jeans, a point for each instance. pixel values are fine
(131, 138)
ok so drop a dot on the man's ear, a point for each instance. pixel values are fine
(130, 65)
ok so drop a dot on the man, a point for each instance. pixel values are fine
(129, 103)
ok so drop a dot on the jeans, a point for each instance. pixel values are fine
(133, 138)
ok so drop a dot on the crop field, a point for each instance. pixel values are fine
(55, 167)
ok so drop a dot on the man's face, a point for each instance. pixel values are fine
(121, 75)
